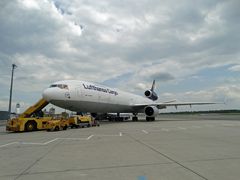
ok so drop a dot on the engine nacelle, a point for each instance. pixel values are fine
(151, 95)
(151, 111)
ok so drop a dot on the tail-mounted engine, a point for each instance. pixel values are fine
(150, 93)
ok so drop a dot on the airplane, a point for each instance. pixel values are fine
(83, 96)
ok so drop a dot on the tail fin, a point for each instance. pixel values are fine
(153, 85)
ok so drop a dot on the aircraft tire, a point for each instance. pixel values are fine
(150, 119)
(134, 118)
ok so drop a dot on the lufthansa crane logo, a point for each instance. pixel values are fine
(67, 95)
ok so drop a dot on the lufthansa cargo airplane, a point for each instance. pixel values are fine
(82, 96)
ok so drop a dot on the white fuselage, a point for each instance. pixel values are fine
(82, 96)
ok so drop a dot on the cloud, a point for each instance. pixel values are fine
(235, 68)
(162, 76)
(30, 4)
(102, 41)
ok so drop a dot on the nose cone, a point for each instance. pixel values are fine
(48, 94)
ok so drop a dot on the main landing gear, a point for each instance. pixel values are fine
(134, 118)
(150, 118)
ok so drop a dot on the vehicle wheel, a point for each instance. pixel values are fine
(134, 118)
(65, 128)
(57, 128)
(30, 126)
(150, 118)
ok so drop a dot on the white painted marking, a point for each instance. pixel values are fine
(9, 144)
(74, 139)
(109, 135)
(51, 141)
(48, 142)
(45, 143)
(145, 131)
(90, 137)
(33, 143)
(30, 143)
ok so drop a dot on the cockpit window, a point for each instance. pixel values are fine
(61, 86)
(65, 86)
(53, 85)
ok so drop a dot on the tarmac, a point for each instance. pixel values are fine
(174, 147)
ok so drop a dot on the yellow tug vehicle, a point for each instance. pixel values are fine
(33, 119)
(30, 120)
(80, 121)
(57, 125)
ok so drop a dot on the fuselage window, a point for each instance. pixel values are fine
(60, 86)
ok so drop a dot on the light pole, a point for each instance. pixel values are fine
(10, 99)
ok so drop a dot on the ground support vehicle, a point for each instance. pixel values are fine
(27, 124)
(112, 117)
(95, 122)
(30, 120)
(57, 124)
(80, 121)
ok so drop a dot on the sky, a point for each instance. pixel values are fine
(191, 48)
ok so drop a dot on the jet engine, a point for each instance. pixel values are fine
(151, 111)
(151, 95)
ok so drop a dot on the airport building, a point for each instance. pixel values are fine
(3, 115)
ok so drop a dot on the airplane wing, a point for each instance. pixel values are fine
(171, 103)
